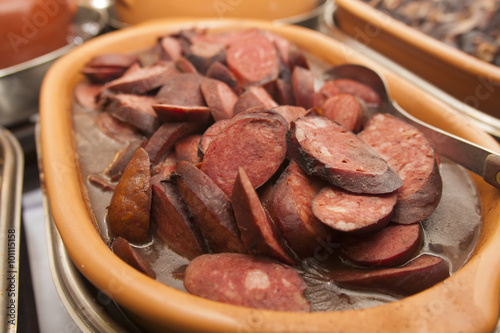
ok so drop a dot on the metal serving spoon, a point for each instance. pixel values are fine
(475, 158)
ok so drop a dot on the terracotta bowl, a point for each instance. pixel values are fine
(467, 78)
(466, 302)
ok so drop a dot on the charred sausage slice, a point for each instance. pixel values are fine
(326, 149)
(351, 212)
(409, 153)
(244, 280)
(211, 208)
(254, 141)
(258, 232)
(174, 226)
(130, 207)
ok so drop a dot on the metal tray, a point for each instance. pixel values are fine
(11, 181)
(329, 26)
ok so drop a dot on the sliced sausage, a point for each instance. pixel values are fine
(126, 253)
(119, 60)
(284, 92)
(254, 141)
(139, 80)
(203, 54)
(86, 94)
(219, 97)
(101, 182)
(410, 154)
(168, 165)
(122, 158)
(210, 134)
(134, 110)
(258, 232)
(185, 66)
(220, 72)
(291, 206)
(171, 216)
(303, 87)
(346, 110)
(327, 90)
(183, 89)
(170, 48)
(419, 274)
(163, 140)
(290, 112)
(326, 149)
(254, 96)
(244, 280)
(107, 67)
(360, 90)
(186, 149)
(392, 246)
(130, 206)
(116, 129)
(171, 113)
(254, 60)
(211, 208)
(351, 212)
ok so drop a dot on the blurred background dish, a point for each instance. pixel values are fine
(471, 80)
(20, 83)
(302, 12)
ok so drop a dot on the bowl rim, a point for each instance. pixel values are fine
(420, 40)
(476, 309)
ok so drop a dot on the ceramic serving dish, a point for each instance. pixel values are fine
(466, 302)
(134, 11)
(473, 81)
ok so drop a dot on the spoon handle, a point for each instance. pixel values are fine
(475, 158)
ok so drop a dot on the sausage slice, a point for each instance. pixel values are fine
(254, 141)
(392, 246)
(211, 208)
(127, 253)
(291, 206)
(244, 280)
(351, 212)
(173, 223)
(326, 149)
(408, 152)
(258, 232)
(419, 274)
(130, 206)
